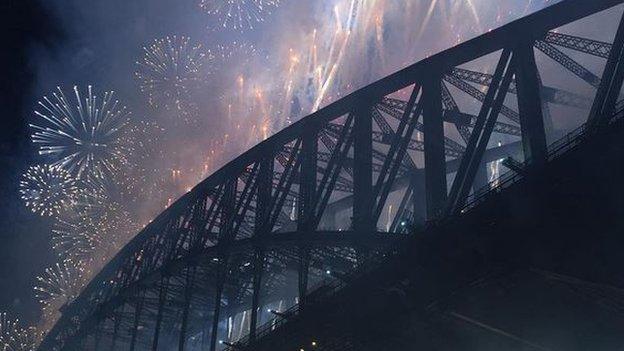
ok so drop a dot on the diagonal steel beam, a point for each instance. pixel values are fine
(588, 46)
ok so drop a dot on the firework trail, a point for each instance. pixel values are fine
(238, 14)
(48, 190)
(82, 134)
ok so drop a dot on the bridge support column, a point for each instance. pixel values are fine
(116, 323)
(363, 169)
(257, 288)
(162, 299)
(307, 181)
(307, 194)
(265, 184)
(611, 83)
(138, 309)
(217, 308)
(97, 337)
(481, 177)
(188, 294)
(529, 87)
(435, 159)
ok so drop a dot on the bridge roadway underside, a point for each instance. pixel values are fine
(538, 266)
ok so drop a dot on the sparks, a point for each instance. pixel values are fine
(170, 70)
(238, 14)
(81, 135)
(48, 190)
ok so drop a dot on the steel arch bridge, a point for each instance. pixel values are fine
(338, 186)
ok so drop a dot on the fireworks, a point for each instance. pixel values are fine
(81, 135)
(59, 285)
(144, 177)
(48, 189)
(171, 68)
(15, 338)
(238, 14)
(75, 238)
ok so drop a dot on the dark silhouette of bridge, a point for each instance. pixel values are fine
(348, 197)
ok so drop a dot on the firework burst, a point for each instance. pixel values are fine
(170, 70)
(75, 237)
(238, 14)
(13, 337)
(81, 135)
(48, 190)
(59, 285)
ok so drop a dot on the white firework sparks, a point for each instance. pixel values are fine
(171, 68)
(81, 135)
(59, 285)
(48, 190)
(238, 14)
(13, 337)
(75, 238)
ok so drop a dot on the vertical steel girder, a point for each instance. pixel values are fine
(138, 309)
(116, 323)
(162, 299)
(308, 218)
(188, 294)
(435, 160)
(221, 275)
(228, 205)
(363, 169)
(265, 185)
(530, 104)
(611, 82)
(307, 183)
(98, 336)
(256, 287)
(265, 182)
(303, 272)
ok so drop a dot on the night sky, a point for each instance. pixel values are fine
(23, 249)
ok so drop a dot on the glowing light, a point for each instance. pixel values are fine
(48, 190)
(81, 135)
(238, 14)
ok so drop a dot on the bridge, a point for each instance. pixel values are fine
(344, 190)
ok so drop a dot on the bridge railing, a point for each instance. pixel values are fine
(555, 150)
(324, 290)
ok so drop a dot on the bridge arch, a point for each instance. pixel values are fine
(340, 185)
